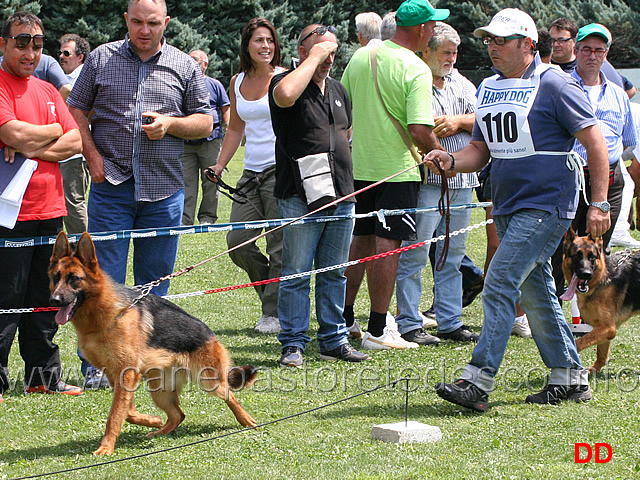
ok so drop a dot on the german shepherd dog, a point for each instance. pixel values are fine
(151, 338)
(608, 290)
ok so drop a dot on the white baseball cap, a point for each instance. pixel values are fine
(507, 22)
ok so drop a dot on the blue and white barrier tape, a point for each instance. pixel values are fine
(220, 227)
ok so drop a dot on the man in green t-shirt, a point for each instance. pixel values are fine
(379, 151)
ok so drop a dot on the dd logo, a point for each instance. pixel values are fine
(589, 452)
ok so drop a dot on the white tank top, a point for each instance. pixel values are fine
(259, 149)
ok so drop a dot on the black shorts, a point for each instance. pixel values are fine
(389, 196)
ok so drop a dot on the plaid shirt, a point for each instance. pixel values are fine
(119, 87)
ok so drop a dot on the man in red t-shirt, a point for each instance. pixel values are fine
(35, 121)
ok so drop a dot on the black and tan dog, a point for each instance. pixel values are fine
(152, 338)
(608, 290)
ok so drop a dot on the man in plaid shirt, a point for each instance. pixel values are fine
(147, 97)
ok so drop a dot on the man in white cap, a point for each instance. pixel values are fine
(527, 118)
(379, 151)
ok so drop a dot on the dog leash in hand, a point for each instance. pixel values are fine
(220, 185)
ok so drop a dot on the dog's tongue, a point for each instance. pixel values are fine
(571, 289)
(62, 316)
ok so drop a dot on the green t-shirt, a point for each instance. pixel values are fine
(405, 82)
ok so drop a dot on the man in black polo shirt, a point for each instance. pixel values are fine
(303, 103)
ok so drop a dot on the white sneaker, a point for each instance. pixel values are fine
(428, 322)
(624, 240)
(391, 322)
(268, 324)
(521, 328)
(388, 340)
(355, 331)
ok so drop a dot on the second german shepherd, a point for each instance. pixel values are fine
(608, 290)
(152, 338)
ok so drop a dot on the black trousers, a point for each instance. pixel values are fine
(24, 283)
(579, 224)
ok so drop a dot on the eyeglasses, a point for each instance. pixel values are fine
(599, 52)
(23, 39)
(499, 40)
(320, 31)
(66, 53)
(560, 41)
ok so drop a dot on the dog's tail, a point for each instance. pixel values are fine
(241, 377)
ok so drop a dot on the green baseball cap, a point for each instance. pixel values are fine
(595, 29)
(415, 12)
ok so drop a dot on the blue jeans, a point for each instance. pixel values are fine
(113, 208)
(307, 246)
(448, 282)
(521, 271)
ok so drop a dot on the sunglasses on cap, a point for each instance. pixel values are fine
(320, 31)
(23, 39)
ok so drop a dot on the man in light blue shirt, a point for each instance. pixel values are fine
(613, 113)
(611, 106)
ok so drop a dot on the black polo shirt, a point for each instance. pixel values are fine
(303, 129)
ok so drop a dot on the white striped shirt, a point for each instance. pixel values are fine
(458, 97)
(614, 118)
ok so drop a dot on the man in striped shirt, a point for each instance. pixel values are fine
(611, 106)
(453, 107)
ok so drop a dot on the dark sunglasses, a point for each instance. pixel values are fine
(499, 40)
(320, 31)
(66, 53)
(23, 39)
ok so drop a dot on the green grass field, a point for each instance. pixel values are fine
(42, 434)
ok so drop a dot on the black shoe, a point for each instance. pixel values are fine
(462, 334)
(554, 394)
(420, 337)
(431, 313)
(469, 294)
(344, 352)
(464, 393)
(291, 357)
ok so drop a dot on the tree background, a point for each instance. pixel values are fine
(214, 25)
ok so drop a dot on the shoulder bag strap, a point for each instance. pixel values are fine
(394, 120)
(443, 206)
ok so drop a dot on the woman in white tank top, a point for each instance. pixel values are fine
(250, 118)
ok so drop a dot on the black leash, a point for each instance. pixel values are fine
(220, 184)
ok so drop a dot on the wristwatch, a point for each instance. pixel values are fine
(604, 206)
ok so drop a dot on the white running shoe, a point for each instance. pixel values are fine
(391, 322)
(428, 322)
(268, 324)
(521, 327)
(355, 331)
(624, 240)
(389, 339)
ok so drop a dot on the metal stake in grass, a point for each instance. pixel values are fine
(406, 432)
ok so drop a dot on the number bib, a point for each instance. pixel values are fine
(502, 114)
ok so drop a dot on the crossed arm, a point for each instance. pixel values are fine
(44, 142)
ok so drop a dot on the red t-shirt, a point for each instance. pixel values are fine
(37, 102)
